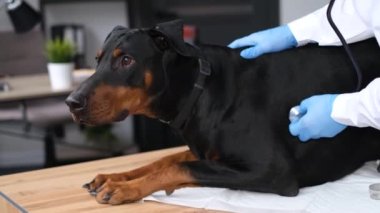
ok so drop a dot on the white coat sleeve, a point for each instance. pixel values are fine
(352, 17)
(360, 109)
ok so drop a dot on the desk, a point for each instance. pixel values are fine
(29, 87)
(60, 189)
(36, 86)
(24, 88)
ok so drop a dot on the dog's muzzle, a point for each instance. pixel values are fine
(77, 104)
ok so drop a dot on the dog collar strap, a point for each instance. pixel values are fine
(204, 71)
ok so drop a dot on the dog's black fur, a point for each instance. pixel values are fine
(238, 129)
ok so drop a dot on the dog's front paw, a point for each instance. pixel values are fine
(100, 179)
(115, 193)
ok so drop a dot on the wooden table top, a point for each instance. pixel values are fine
(34, 86)
(60, 189)
(29, 87)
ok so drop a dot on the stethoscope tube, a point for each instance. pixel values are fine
(295, 113)
(346, 47)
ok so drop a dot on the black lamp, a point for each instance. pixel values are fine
(22, 15)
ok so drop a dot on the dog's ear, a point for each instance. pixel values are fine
(170, 34)
(161, 42)
(118, 28)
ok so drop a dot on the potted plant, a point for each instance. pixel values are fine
(60, 54)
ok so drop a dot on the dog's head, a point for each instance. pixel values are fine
(129, 75)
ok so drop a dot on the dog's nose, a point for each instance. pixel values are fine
(76, 102)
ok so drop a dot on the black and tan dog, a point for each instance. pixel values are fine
(232, 113)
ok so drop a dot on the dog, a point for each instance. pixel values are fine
(231, 112)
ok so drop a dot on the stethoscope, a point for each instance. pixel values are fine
(295, 113)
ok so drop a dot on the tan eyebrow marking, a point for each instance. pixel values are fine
(99, 54)
(117, 52)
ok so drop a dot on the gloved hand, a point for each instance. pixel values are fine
(316, 121)
(266, 41)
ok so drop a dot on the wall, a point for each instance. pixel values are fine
(5, 22)
(98, 21)
(293, 9)
(98, 25)
(99, 18)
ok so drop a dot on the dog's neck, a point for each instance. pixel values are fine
(182, 75)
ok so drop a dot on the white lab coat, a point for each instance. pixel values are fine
(357, 20)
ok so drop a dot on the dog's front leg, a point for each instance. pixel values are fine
(194, 173)
(100, 179)
(167, 178)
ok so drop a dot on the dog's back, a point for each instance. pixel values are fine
(246, 104)
(237, 128)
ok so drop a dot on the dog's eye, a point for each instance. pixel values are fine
(126, 60)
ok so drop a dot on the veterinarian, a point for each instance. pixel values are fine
(326, 115)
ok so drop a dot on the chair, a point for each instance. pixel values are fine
(23, 54)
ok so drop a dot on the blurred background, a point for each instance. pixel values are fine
(36, 130)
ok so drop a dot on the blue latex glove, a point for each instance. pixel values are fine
(316, 121)
(266, 41)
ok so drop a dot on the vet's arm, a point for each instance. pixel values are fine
(360, 109)
(325, 116)
(356, 19)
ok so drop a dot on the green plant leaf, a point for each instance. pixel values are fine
(60, 51)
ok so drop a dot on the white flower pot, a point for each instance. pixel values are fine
(61, 75)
